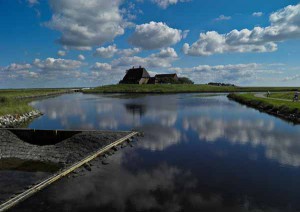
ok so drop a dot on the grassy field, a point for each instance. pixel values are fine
(15, 93)
(285, 95)
(11, 101)
(274, 102)
(286, 109)
(181, 88)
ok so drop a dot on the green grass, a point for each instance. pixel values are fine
(11, 104)
(181, 88)
(27, 92)
(267, 103)
(285, 95)
(14, 107)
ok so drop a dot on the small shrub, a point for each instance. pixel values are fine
(3, 99)
(185, 80)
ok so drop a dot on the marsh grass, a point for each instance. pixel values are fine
(14, 107)
(283, 95)
(10, 102)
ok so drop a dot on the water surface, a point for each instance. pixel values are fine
(199, 153)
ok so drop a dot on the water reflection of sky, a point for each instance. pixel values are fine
(198, 153)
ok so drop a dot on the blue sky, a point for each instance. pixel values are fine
(63, 43)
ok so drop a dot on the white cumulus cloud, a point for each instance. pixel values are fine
(112, 50)
(129, 52)
(107, 52)
(231, 73)
(223, 18)
(56, 64)
(285, 25)
(156, 35)
(257, 14)
(291, 78)
(162, 59)
(16, 67)
(101, 67)
(32, 2)
(166, 3)
(81, 57)
(86, 23)
(61, 53)
(17, 71)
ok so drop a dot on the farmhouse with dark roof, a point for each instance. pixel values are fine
(141, 76)
(165, 78)
(136, 76)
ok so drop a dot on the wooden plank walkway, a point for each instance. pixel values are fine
(21, 197)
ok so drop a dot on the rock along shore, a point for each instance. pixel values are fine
(10, 121)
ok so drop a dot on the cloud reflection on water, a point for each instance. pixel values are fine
(122, 189)
(162, 188)
(279, 145)
(158, 138)
(167, 119)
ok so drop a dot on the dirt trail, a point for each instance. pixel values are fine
(262, 95)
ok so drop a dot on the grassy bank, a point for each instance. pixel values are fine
(15, 102)
(181, 88)
(284, 109)
(13, 106)
(285, 95)
(22, 93)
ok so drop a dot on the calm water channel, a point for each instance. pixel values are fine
(199, 153)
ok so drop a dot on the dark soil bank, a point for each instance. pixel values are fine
(284, 112)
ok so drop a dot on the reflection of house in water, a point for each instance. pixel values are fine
(141, 76)
(136, 109)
